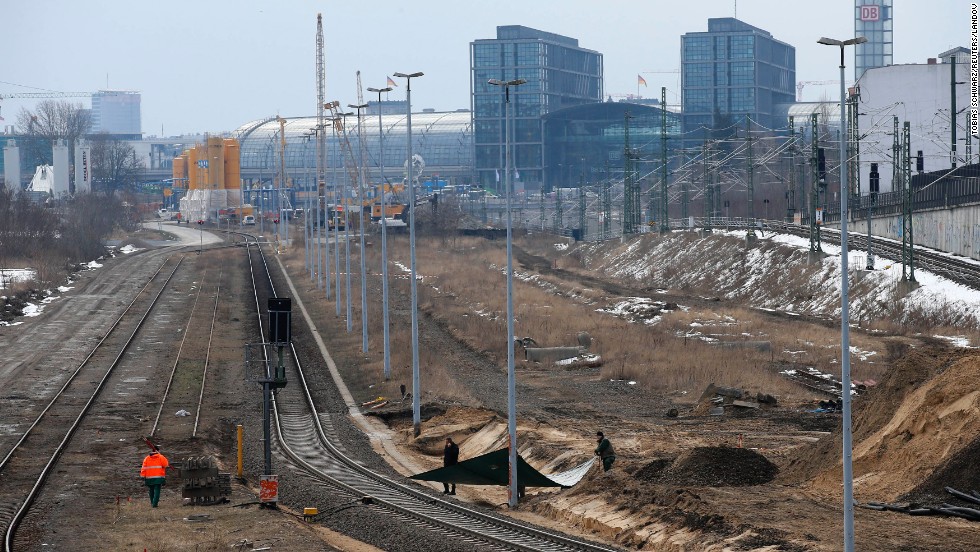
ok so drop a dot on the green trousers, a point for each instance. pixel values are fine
(154, 484)
(607, 462)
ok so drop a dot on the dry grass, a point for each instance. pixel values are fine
(462, 286)
(464, 289)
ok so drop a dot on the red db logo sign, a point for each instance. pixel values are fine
(870, 13)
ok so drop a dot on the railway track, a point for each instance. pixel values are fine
(307, 439)
(961, 271)
(30, 461)
(188, 375)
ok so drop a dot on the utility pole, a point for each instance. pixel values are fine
(814, 188)
(908, 254)
(685, 199)
(559, 212)
(361, 194)
(750, 180)
(629, 199)
(607, 204)
(897, 173)
(541, 215)
(708, 195)
(791, 196)
(952, 109)
(581, 207)
(664, 220)
(854, 145)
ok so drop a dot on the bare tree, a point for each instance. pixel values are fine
(52, 120)
(115, 166)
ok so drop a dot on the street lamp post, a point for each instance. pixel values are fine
(360, 225)
(416, 406)
(511, 376)
(345, 195)
(384, 237)
(336, 218)
(844, 318)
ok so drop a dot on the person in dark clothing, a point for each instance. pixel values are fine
(450, 457)
(605, 451)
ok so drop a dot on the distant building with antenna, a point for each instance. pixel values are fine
(117, 112)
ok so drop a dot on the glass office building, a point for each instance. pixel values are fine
(872, 20)
(559, 74)
(585, 143)
(731, 72)
(117, 112)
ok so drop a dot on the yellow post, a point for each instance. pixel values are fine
(240, 471)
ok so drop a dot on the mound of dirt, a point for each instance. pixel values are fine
(653, 471)
(871, 412)
(959, 472)
(717, 467)
(915, 433)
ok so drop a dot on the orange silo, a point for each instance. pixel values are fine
(233, 168)
(193, 172)
(180, 172)
(216, 163)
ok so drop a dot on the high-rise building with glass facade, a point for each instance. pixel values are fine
(731, 72)
(558, 73)
(117, 112)
(872, 20)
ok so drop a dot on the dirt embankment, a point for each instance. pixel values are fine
(913, 434)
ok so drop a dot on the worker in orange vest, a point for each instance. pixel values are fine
(154, 474)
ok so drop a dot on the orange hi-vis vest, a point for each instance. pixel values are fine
(154, 465)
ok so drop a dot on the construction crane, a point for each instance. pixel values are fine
(801, 84)
(49, 94)
(321, 139)
(46, 95)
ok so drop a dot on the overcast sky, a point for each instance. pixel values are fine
(212, 65)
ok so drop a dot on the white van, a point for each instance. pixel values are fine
(165, 214)
(248, 220)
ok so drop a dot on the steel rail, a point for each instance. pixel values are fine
(959, 271)
(326, 462)
(207, 357)
(10, 530)
(173, 369)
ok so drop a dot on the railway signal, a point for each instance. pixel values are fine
(280, 335)
(200, 226)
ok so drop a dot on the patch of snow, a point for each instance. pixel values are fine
(863, 355)
(561, 246)
(129, 248)
(11, 275)
(956, 340)
(92, 265)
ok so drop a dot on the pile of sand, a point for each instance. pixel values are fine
(922, 422)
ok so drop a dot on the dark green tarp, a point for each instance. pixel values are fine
(489, 469)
